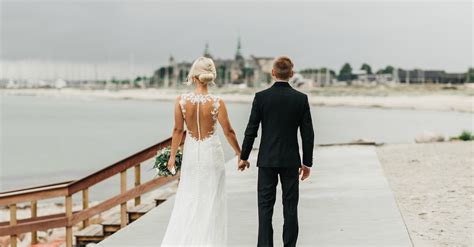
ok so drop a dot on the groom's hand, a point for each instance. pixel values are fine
(243, 164)
(304, 172)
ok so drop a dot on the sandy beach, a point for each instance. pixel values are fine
(417, 98)
(433, 185)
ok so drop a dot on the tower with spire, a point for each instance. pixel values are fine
(238, 53)
(251, 71)
(207, 52)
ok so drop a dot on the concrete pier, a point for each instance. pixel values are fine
(346, 202)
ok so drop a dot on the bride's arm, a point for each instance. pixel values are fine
(229, 132)
(178, 131)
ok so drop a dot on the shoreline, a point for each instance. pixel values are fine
(420, 101)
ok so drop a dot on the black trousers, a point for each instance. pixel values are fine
(267, 182)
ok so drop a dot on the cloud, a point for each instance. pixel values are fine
(422, 34)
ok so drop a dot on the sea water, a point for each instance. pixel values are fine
(46, 140)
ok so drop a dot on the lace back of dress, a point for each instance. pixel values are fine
(200, 114)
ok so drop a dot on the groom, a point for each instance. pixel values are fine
(281, 110)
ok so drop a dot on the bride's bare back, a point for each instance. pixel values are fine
(200, 113)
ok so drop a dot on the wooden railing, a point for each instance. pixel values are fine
(67, 189)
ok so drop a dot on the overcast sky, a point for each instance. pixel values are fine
(431, 35)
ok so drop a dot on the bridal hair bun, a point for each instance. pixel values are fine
(204, 70)
(206, 78)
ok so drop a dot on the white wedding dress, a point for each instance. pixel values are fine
(199, 216)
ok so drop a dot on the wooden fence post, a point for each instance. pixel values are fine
(85, 205)
(13, 239)
(137, 182)
(123, 206)
(68, 215)
(34, 213)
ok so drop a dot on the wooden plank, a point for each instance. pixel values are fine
(111, 224)
(91, 234)
(369, 143)
(163, 196)
(138, 211)
(142, 208)
(111, 220)
(17, 197)
(40, 223)
(34, 189)
(38, 218)
(92, 230)
(118, 199)
(117, 167)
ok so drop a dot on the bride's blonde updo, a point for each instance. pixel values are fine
(204, 70)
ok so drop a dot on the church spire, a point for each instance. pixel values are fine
(207, 52)
(238, 53)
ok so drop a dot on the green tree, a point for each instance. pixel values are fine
(367, 68)
(470, 75)
(345, 74)
(115, 81)
(389, 69)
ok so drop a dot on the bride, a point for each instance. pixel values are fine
(199, 216)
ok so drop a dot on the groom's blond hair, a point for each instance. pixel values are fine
(283, 67)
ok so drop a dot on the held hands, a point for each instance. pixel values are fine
(172, 166)
(242, 164)
(305, 172)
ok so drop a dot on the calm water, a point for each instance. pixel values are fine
(46, 140)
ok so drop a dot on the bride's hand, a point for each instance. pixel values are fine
(172, 166)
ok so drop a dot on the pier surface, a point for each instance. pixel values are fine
(346, 202)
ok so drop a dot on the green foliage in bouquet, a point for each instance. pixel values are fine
(161, 161)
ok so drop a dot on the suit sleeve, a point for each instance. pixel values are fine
(307, 135)
(251, 130)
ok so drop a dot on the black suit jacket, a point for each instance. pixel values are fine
(281, 110)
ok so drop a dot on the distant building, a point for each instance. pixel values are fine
(253, 71)
(430, 76)
(362, 76)
(321, 76)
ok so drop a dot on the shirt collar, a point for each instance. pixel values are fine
(281, 84)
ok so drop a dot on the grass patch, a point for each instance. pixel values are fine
(464, 136)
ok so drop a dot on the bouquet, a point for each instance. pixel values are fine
(161, 162)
